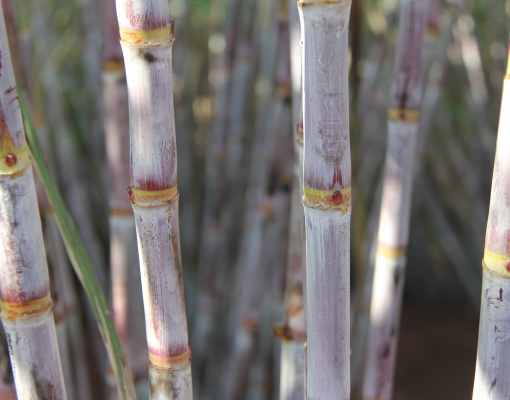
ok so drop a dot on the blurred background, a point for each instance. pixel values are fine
(231, 97)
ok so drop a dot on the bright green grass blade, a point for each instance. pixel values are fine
(81, 264)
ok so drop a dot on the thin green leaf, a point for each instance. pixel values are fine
(81, 264)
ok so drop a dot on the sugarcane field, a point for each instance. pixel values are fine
(254, 199)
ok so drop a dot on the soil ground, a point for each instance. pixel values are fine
(436, 355)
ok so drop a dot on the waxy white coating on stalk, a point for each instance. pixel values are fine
(327, 156)
(153, 192)
(23, 268)
(493, 361)
(397, 184)
(327, 307)
(35, 358)
(295, 61)
(393, 235)
(327, 167)
(157, 230)
(153, 156)
(493, 358)
(292, 370)
(31, 337)
(497, 238)
(384, 327)
(32, 341)
(141, 15)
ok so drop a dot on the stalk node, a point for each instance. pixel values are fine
(152, 198)
(173, 363)
(16, 311)
(328, 199)
(153, 37)
(15, 161)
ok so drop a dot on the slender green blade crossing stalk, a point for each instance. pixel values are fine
(81, 264)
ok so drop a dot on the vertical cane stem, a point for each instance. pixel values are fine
(327, 196)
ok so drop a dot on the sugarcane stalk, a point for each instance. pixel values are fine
(251, 270)
(146, 39)
(293, 330)
(434, 80)
(393, 235)
(53, 243)
(233, 238)
(81, 263)
(492, 360)
(125, 273)
(327, 196)
(74, 337)
(25, 299)
(295, 61)
(237, 137)
(211, 272)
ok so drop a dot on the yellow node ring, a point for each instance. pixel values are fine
(392, 253)
(328, 198)
(149, 37)
(497, 263)
(33, 308)
(152, 198)
(403, 115)
(171, 363)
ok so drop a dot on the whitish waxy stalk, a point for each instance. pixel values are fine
(126, 289)
(493, 359)
(146, 38)
(327, 196)
(395, 204)
(25, 300)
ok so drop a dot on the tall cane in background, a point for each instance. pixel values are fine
(493, 360)
(393, 232)
(125, 273)
(327, 196)
(146, 38)
(25, 300)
